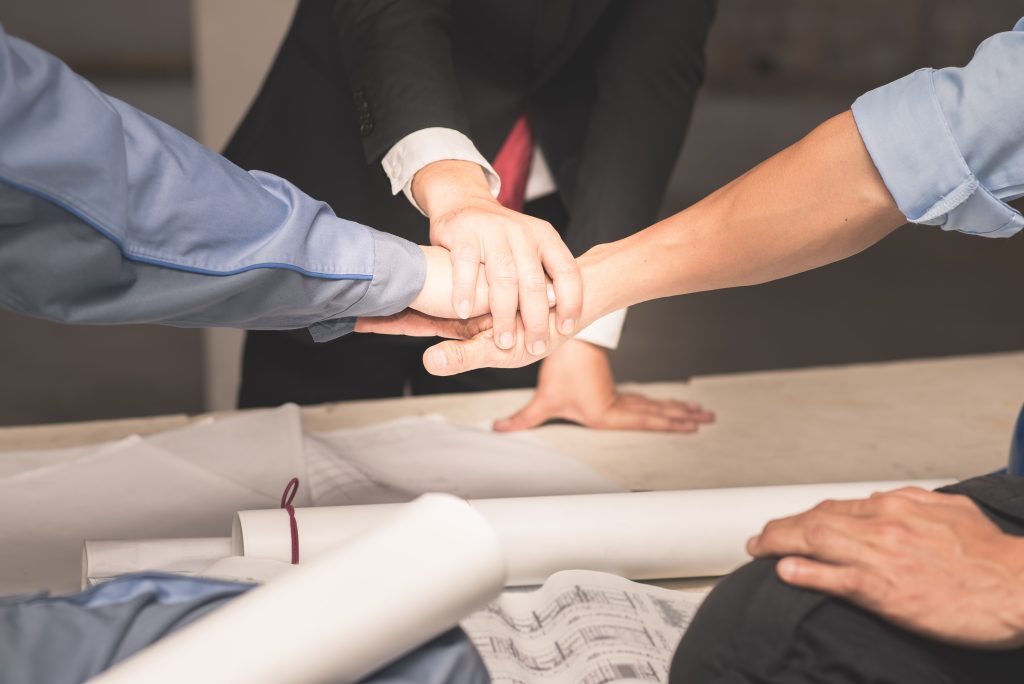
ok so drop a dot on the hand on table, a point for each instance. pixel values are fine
(576, 384)
(518, 253)
(930, 563)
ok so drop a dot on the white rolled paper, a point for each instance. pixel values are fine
(640, 535)
(103, 560)
(353, 609)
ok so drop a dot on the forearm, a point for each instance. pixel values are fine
(816, 202)
(132, 221)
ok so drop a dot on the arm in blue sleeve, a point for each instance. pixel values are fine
(949, 143)
(109, 216)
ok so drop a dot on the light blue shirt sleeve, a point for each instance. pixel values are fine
(110, 216)
(949, 143)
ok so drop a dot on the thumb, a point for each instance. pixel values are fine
(532, 415)
(451, 358)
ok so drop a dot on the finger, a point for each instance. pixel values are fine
(415, 324)
(668, 407)
(453, 357)
(622, 419)
(534, 307)
(567, 282)
(809, 534)
(503, 284)
(844, 581)
(465, 268)
(534, 414)
(934, 498)
(694, 411)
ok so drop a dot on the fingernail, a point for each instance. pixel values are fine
(438, 359)
(506, 340)
(538, 348)
(465, 308)
(551, 295)
(568, 326)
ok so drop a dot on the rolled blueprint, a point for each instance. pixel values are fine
(640, 535)
(102, 560)
(346, 613)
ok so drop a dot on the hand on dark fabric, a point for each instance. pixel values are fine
(576, 384)
(928, 562)
(517, 253)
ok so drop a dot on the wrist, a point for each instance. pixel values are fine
(447, 184)
(603, 292)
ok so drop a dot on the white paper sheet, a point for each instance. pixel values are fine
(343, 615)
(258, 449)
(127, 490)
(105, 559)
(14, 463)
(335, 481)
(642, 535)
(429, 454)
(582, 627)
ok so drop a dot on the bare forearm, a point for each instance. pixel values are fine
(816, 202)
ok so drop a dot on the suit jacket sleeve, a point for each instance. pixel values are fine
(647, 85)
(398, 57)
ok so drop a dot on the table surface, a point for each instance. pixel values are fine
(932, 418)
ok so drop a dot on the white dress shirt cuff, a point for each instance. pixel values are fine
(426, 146)
(605, 331)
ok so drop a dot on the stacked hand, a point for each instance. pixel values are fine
(516, 269)
(931, 563)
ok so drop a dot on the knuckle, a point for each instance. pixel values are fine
(566, 269)
(890, 533)
(467, 252)
(771, 527)
(503, 259)
(851, 582)
(817, 535)
(456, 356)
(825, 506)
(535, 283)
(892, 504)
(536, 328)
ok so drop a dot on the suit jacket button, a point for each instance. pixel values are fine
(365, 128)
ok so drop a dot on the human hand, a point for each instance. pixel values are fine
(576, 383)
(412, 323)
(516, 251)
(930, 563)
(435, 298)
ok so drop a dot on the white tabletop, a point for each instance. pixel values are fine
(931, 418)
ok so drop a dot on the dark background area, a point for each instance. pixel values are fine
(776, 69)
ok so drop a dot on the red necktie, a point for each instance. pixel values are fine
(513, 164)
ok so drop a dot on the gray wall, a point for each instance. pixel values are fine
(777, 69)
(140, 52)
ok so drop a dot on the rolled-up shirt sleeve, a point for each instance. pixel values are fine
(949, 143)
(110, 216)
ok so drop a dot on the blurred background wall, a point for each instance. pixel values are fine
(776, 69)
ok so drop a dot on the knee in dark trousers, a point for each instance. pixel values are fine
(755, 629)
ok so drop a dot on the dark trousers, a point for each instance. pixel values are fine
(754, 629)
(287, 366)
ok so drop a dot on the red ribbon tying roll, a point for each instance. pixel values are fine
(290, 490)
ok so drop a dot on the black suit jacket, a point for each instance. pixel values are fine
(607, 85)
